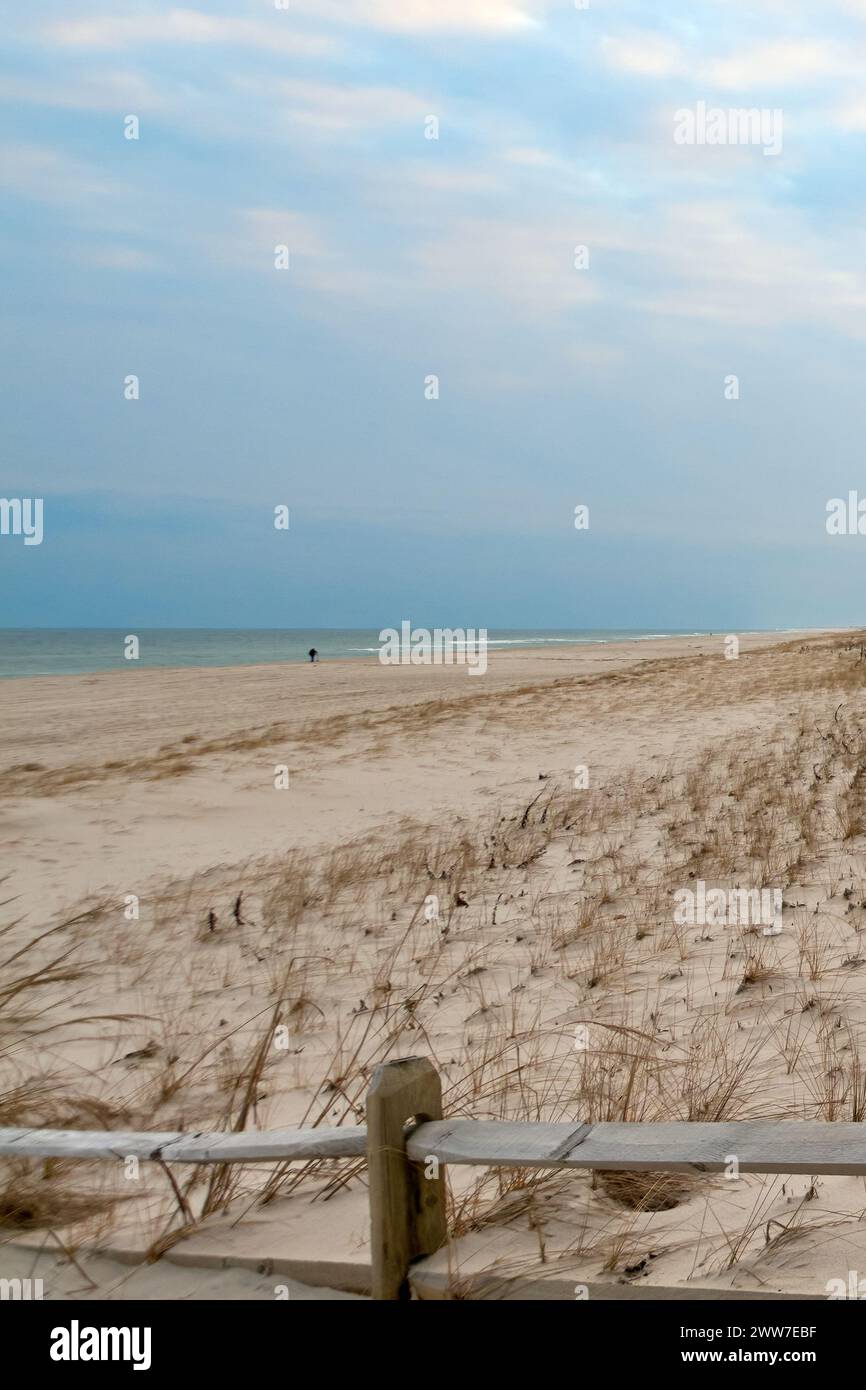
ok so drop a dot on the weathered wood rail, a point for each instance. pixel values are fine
(407, 1189)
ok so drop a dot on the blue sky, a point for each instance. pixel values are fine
(412, 257)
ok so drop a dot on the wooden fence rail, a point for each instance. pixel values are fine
(406, 1161)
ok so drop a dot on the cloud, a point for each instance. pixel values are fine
(530, 157)
(645, 54)
(788, 61)
(49, 176)
(316, 265)
(185, 27)
(458, 181)
(118, 258)
(527, 263)
(279, 32)
(595, 357)
(270, 227)
(736, 263)
(107, 91)
(783, 63)
(851, 118)
(490, 17)
(331, 107)
(721, 262)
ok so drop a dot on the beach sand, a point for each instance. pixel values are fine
(144, 775)
(197, 907)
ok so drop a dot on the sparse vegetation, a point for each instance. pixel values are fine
(266, 994)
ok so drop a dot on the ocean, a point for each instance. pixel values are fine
(78, 651)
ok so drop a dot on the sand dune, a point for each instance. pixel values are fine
(284, 943)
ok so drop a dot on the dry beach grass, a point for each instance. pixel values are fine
(262, 989)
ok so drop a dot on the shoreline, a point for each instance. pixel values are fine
(369, 656)
(171, 773)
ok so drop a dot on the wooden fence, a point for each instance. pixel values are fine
(405, 1131)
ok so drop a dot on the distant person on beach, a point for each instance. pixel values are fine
(312, 654)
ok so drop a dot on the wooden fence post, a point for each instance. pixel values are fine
(407, 1209)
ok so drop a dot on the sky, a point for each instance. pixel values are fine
(605, 385)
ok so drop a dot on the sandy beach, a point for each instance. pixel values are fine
(116, 783)
(552, 808)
